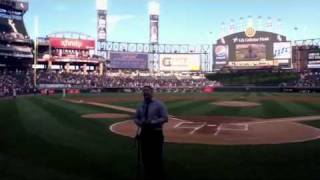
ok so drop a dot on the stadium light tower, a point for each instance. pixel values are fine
(154, 12)
(102, 20)
(232, 27)
(102, 12)
(241, 25)
(269, 24)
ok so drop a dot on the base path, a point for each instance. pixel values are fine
(224, 130)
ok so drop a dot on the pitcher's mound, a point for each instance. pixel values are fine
(105, 116)
(236, 104)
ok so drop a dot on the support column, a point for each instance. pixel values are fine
(49, 64)
(101, 68)
(85, 69)
(67, 68)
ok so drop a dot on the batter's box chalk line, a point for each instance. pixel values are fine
(182, 123)
(198, 128)
(194, 126)
(234, 127)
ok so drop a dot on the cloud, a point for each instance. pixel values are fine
(114, 20)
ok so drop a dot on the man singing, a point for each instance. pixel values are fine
(149, 118)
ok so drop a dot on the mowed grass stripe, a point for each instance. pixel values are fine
(26, 151)
(222, 111)
(86, 154)
(226, 96)
(80, 128)
(190, 108)
(273, 109)
(81, 109)
(257, 111)
(176, 107)
(298, 109)
(239, 162)
(14, 168)
(310, 105)
(199, 107)
(267, 94)
(206, 108)
(55, 124)
(278, 94)
(128, 104)
(8, 121)
(315, 124)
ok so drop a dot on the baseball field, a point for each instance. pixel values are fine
(209, 136)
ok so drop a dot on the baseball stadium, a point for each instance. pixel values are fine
(245, 106)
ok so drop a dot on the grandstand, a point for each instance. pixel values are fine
(15, 44)
(70, 52)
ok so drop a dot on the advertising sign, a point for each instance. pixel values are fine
(252, 64)
(314, 56)
(221, 53)
(180, 62)
(314, 60)
(282, 50)
(63, 43)
(208, 89)
(125, 60)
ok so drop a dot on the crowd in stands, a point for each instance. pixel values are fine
(309, 79)
(13, 36)
(21, 81)
(124, 80)
(72, 53)
(17, 81)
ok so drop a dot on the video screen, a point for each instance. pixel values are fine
(250, 52)
(124, 60)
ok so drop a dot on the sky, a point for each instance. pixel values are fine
(181, 21)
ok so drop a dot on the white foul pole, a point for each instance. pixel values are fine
(35, 54)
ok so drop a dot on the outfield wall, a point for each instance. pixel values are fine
(267, 89)
(198, 90)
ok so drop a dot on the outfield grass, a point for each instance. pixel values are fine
(45, 138)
